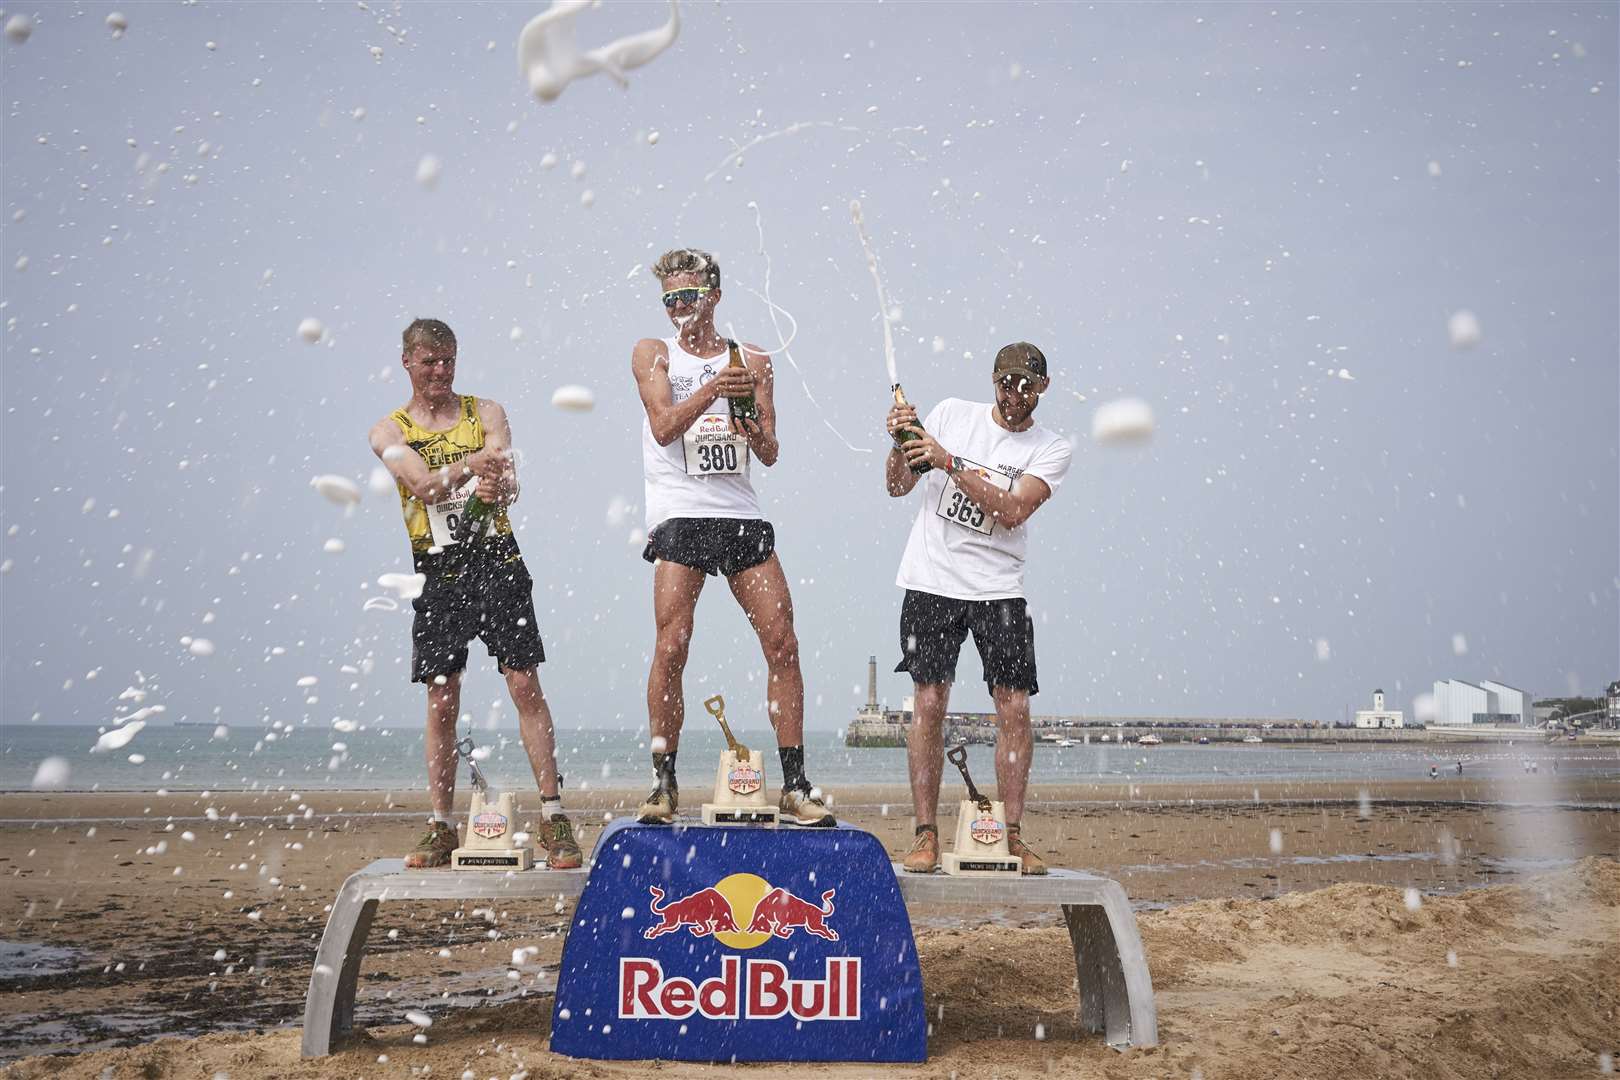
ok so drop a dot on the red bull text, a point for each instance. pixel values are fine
(756, 990)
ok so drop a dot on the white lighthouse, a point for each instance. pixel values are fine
(1378, 716)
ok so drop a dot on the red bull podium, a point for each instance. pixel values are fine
(746, 944)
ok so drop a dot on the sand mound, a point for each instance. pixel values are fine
(1511, 981)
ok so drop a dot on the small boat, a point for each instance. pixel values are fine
(1064, 742)
(1149, 740)
(1253, 738)
(1203, 740)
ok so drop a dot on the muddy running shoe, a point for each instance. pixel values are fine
(562, 850)
(659, 808)
(1034, 865)
(802, 806)
(923, 857)
(434, 848)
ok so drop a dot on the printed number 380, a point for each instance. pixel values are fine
(714, 457)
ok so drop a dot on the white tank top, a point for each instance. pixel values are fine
(704, 474)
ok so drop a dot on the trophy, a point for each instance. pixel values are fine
(739, 786)
(489, 843)
(981, 832)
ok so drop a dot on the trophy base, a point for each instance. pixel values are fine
(981, 865)
(472, 858)
(722, 814)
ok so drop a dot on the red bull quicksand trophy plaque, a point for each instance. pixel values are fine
(739, 785)
(981, 832)
(490, 844)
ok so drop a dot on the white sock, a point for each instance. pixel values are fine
(550, 808)
(442, 818)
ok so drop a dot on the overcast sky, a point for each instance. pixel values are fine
(1257, 218)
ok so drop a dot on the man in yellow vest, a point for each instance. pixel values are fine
(443, 448)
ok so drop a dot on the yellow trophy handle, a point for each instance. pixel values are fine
(717, 709)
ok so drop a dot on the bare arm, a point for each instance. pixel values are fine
(407, 466)
(1008, 508)
(761, 435)
(494, 465)
(650, 365)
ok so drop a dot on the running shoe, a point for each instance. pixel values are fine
(659, 808)
(1034, 865)
(801, 805)
(923, 858)
(434, 848)
(562, 850)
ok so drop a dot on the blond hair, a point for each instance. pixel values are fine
(428, 332)
(688, 261)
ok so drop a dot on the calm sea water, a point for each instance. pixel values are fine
(304, 758)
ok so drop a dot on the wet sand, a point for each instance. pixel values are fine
(143, 911)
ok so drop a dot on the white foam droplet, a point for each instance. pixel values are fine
(19, 28)
(1276, 841)
(1414, 899)
(405, 586)
(573, 398)
(652, 138)
(419, 1018)
(1122, 422)
(311, 330)
(428, 171)
(1459, 644)
(200, 647)
(549, 57)
(117, 23)
(118, 738)
(338, 489)
(334, 546)
(1464, 330)
(51, 774)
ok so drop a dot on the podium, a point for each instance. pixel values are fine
(701, 943)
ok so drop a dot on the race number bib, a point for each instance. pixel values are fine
(711, 448)
(445, 515)
(955, 507)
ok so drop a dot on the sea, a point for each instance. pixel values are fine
(314, 758)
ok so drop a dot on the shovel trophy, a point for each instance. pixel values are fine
(739, 785)
(489, 843)
(981, 831)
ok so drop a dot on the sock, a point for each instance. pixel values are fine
(439, 818)
(664, 769)
(550, 806)
(792, 766)
(927, 828)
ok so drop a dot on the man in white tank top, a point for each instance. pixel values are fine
(709, 411)
(985, 469)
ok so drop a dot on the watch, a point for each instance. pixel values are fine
(955, 465)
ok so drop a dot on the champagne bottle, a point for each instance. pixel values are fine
(477, 520)
(742, 408)
(904, 436)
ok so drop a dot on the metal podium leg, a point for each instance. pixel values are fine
(1116, 991)
(329, 1009)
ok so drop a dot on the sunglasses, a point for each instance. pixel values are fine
(1019, 384)
(690, 295)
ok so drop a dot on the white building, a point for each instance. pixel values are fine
(1459, 704)
(1378, 716)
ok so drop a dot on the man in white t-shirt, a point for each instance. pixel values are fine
(709, 410)
(984, 470)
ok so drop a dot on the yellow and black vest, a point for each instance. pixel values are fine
(438, 449)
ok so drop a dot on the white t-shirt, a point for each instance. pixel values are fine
(703, 474)
(955, 548)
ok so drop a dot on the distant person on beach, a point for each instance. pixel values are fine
(988, 468)
(449, 452)
(1434, 772)
(1459, 768)
(709, 411)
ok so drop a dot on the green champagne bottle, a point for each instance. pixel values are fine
(742, 408)
(904, 436)
(477, 520)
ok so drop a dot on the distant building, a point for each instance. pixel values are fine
(1614, 704)
(1459, 704)
(1378, 716)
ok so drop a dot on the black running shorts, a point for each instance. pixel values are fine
(932, 629)
(490, 597)
(723, 546)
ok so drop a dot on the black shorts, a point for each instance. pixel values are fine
(490, 597)
(723, 546)
(932, 629)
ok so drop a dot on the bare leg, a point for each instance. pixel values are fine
(675, 595)
(1014, 745)
(444, 702)
(925, 749)
(763, 593)
(534, 721)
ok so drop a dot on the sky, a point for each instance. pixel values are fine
(1259, 219)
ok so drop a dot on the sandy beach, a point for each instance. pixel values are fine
(1276, 921)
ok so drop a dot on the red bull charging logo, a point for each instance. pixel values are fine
(741, 911)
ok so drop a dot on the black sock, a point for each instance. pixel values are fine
(664, 769)
(792, 766)
(927, 828)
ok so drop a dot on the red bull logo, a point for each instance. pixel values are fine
(489, 824)
(741, 911)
